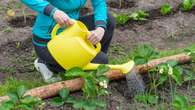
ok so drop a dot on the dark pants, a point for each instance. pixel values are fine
(101, 58)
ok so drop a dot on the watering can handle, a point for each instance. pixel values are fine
(55, 30)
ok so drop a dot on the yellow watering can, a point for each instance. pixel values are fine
(71, 48)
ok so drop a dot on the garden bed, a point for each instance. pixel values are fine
(164, 33)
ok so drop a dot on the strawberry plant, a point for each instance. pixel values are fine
(187, 5)
(139, 15)
(166, 9)
(19, 101)
(191, 53)
(143, 53)
(166, 71)
(82, 103)
(95, 84)
(181, 102)
(147, 99)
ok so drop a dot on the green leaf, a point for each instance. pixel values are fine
(89, 104)
(140, 60)
(143, 53)
(64, 93)
(90, 87)
(180, 103)
(172, 63)
(79, 104)
(139, 15)
(163, 78)
(102, 69)
(75, 72)
(8, 105)
(102, 79)
(121, 19)
(141, 98)
(147, 99)
(97, 103)
(21, 91)
(152, 99)
(192, 108)
(29, 100)
(13, 96)
(57, 101)
(102, 92)
(25, 107)
(187, 5)
(70, 99)
(166, 9)
(177, 76)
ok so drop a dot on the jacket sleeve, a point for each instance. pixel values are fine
(40, 6)
(100, 12)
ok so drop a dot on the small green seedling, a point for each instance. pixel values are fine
(139, 15)
(166, 9)
(19, 101)
(187, 5)
(121, 19)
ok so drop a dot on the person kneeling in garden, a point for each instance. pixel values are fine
(100, 23)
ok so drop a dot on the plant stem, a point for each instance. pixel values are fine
(171, 87)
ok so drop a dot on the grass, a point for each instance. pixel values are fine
(7, 69)
(11, 84)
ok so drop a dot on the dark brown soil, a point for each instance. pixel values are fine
(2, 76)
(121, 4)
(22, 21)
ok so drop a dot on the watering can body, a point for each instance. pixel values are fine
(71, 48)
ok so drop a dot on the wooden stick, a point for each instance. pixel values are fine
(76, 84)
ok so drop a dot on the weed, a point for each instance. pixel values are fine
(166, 9)
(7, 29)
(139, 15)
(187, 5)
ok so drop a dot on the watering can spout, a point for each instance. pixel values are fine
(124, 68)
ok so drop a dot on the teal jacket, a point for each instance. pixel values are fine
(44, 22)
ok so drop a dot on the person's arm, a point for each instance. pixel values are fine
(100, 13)
(40, 6)
(44, 7)
(100, 16)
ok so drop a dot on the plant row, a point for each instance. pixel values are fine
(141, 15)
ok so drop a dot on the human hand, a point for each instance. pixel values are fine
(96, 35)
(62, 18)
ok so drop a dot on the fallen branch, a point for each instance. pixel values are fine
(76, 84)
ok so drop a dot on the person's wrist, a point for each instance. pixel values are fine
(53, 12)
(100, 29)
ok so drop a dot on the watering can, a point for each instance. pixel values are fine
(71, 48)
